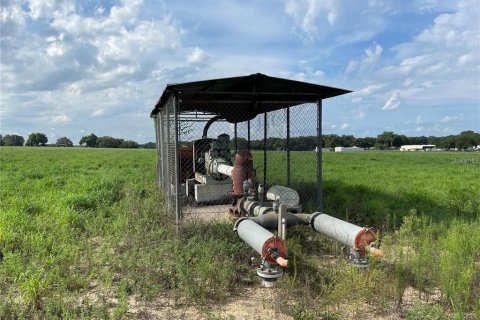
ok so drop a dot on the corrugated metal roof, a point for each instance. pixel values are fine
(254, 94)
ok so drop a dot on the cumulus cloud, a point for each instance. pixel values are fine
(307, 13)
(49, 8)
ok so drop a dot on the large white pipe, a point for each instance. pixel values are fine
(346, 233)
(262, 241)
(284, 195)
(225, 169)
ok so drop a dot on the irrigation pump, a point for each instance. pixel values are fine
(210, 132)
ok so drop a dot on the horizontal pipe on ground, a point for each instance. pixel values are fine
(262, 241)
(344, 232)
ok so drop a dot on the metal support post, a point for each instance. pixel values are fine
(265, 150)
(235, 137)
(288, 147)
(248, 134)
(178, 212)
(319, 156)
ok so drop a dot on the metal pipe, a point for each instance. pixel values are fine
(208, 124)
(269, 219)
(225, 169)
(344, 232)
(284, 195)
(272, 249)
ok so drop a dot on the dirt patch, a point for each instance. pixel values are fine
(251, 304)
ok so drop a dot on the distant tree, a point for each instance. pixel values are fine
(36, 139)
(347, 140)
(90, 141)
(64, 141)
(1, 141)
(333, 140)
(417, 140)
(385, 140)
(109, 142)
(13, 140)
(150, 145)
(129, 144)
(467, 139)
(367, 142)
(447, 142)
(399, 140)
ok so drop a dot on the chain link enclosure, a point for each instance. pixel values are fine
(222, 140)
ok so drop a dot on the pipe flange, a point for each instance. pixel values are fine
(235, 226)
(312, 219)
(270, 273)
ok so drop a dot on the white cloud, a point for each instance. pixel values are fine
(449, 119)
(344, 126)
(197, 56)
(368, 62)
(310, 16)
(97, 113)
(62, 118)
(393, 102)
(50, 8)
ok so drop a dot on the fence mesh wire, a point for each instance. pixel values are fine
(195, 166)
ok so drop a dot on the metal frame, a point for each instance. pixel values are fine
(198, 102)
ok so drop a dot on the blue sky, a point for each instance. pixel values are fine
(69, 68)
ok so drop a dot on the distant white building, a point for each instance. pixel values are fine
(348, 149)
(418, 147)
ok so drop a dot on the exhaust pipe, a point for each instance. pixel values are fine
(271, 248)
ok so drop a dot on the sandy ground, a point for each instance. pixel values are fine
(252, 304)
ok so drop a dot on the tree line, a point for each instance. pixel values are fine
(386, 140)
(40, 139)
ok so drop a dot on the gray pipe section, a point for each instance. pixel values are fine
(334, 228)
(253, 234)
(208, 124)
(270, 219)
(225, 169)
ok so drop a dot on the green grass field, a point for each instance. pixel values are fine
(81, 230)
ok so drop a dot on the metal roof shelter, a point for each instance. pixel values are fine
(236, 100)
(258, 93)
